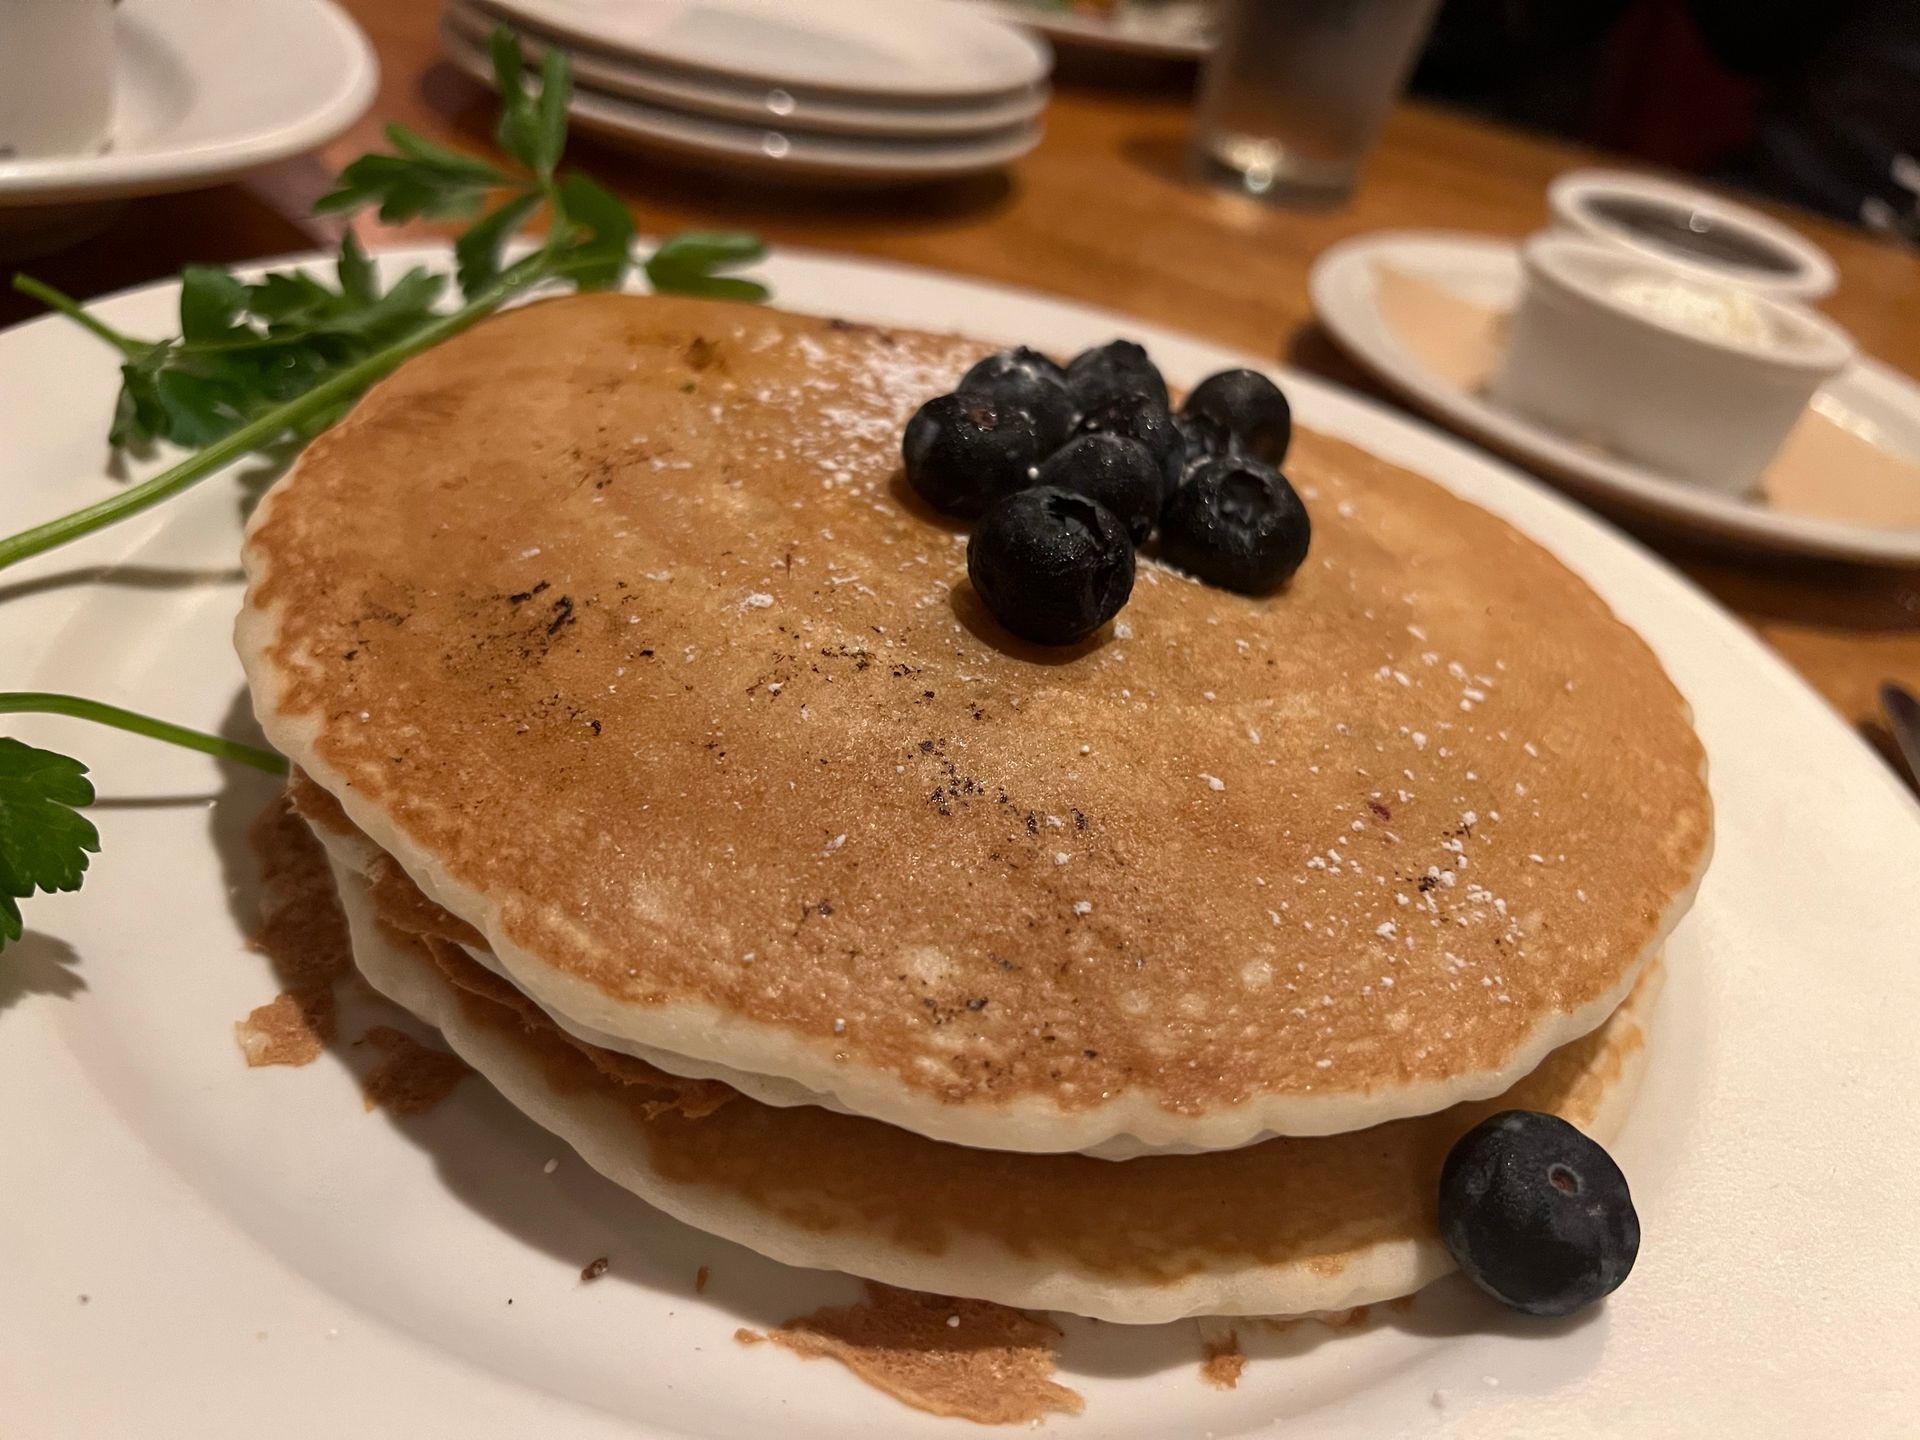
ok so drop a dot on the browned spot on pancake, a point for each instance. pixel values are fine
(1224, 1362)
(594, 1269)
(288, 1030)
(700, 1281)
(304, 937)
(962, 1358)
(749, 1337)
(774, 643)
(411, 1078)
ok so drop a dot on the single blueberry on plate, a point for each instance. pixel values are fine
(1236, 523)
(1119, 368)
(1026, 380)
(1251, 407)
(1051, 565)
(963, 452)
(1114, 470)
(1536, 1214)
(1143, 419)
(1204, 439)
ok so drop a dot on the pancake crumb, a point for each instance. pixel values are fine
(700, 1281)
(289, 1029)
(412, 1078)
(1221, 1369)
(745, 1336)
(994, 1366)
(593, 1270)
(302, 933)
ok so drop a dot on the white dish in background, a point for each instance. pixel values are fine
(254, 1243)
(1798, 269)
(1867, 397)
(764, 149)
(778, 106)
(923, 49)
(206, 88)
(1166, 30)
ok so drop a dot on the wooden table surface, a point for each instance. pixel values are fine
(1101, 212)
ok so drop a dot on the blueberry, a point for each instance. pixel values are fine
(1120, 368)
(1117, 472)
(1026, 380)
(1028, 364)
(1536, 1214)
(963, 452)
(1051, 565)
(1141, 418)
(1204, 439)
(1249, 405)
(1236, 523)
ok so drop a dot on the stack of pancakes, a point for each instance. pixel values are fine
(668, 765)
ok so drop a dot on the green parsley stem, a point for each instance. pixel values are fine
(75, 311)
(34, 702)
(268, 426)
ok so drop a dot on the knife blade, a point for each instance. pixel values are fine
(1903, 720)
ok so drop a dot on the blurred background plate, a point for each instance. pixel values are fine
(1151, 29)
(925, 49)
(792, 107)
(194, 105)
(765, 149)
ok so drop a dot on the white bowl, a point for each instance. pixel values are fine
(1695, 378)
(1691, 230)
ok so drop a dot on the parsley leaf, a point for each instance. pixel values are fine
(44, 840)
(686, 264)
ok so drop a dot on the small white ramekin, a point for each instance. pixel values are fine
(1578, 201)
(1708, 411)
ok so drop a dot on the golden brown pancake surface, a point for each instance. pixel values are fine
(612, 622)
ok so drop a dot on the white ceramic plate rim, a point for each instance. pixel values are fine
(1026, 60)
(1085, 32)
(268, 137)
(1341, 287)
(784, 107)
(1768, 1148)
(770, 147)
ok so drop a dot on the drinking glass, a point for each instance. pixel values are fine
(1296, 91)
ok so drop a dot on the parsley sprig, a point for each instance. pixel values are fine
(271, 362)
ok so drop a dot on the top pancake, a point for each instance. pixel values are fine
(612, 622)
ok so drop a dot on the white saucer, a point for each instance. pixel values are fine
(205, 88)
(1342, 288)
(765, 150)
(927, 49)
(782, 106)
(1170, 30)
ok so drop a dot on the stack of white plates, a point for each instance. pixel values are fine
(874, 91)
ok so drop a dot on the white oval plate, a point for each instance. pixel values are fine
(926, 49)
(1488, 271)
(206, 88)
(767, 150)
(253, 1244)
(782, 108)
(1169, 30)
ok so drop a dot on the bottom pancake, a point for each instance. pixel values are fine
(1284, 1227)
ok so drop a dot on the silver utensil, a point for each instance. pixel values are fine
(1903, 719)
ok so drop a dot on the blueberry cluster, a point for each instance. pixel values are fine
(1068, 470)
